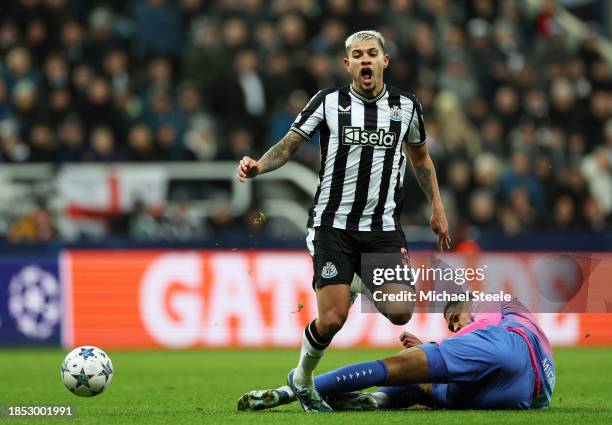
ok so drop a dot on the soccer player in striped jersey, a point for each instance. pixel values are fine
(367, 131)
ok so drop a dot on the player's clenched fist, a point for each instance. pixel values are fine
(408, 340)
(248, 168)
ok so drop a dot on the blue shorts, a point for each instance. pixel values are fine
(489, 368)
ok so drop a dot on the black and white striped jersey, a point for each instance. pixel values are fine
(362, 160)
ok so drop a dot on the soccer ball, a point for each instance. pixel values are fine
(87, 371)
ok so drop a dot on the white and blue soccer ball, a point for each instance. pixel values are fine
(87, 371)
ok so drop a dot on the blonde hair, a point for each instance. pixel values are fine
(363, 36)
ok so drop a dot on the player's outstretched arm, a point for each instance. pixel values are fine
(275, 157)
(425, 173)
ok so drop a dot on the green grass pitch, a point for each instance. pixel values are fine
(201, 387)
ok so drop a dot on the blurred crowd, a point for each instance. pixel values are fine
(517, 118)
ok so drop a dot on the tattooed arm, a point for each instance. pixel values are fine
(274, 158)
(425, 173)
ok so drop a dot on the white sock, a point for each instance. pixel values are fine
(312, 350)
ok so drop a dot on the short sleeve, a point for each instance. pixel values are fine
(415, 135)
(308, 120)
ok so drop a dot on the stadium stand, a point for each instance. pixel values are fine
(518, 114)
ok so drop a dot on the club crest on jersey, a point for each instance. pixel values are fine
(329, 270)
(396, 113)
(358, 136)
(342, 110)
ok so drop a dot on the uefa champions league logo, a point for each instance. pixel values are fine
(34, 302)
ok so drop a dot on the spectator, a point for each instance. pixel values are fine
(143, 225)
(562, 108)
(242, 96)
(155, 17)
(12, 148)
(178, 224)
(457, 79)
(332, 35)
(564, 213)
(459, 136)
(487, 169)
(600, 110)
(71, 135)
(594, 216)
(42, 144)
(525, 138)
(160, 74)
(536, 107)
(19, 68)
(35, 226)
(241, 142)
(521, 205)
(102, 145)
(200, 138)
(60, 106)
(72, 41)
(597, 169)
(292, 30)
(507, 107)
(519, 176)
(55, 72)
(37, 39)
(101, 39)
(492, 137)
(482, 209)
(26, 105)
(160, 110)
(5, 106)
(115, 66)
(9, 36)
(141, 145)
(169, 146)
(458, 181)
(98, 108)
(205, 50)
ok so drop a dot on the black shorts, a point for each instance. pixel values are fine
(336, 253)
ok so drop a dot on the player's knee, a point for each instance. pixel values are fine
(399, 318)
(331, 322)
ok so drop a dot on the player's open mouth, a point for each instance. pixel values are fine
(366, 75)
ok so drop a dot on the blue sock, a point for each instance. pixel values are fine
(354, 377)
(402, 396)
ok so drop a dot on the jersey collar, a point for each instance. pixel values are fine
(368, 99)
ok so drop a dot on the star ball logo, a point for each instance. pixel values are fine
(86, 353)
(34, 302)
